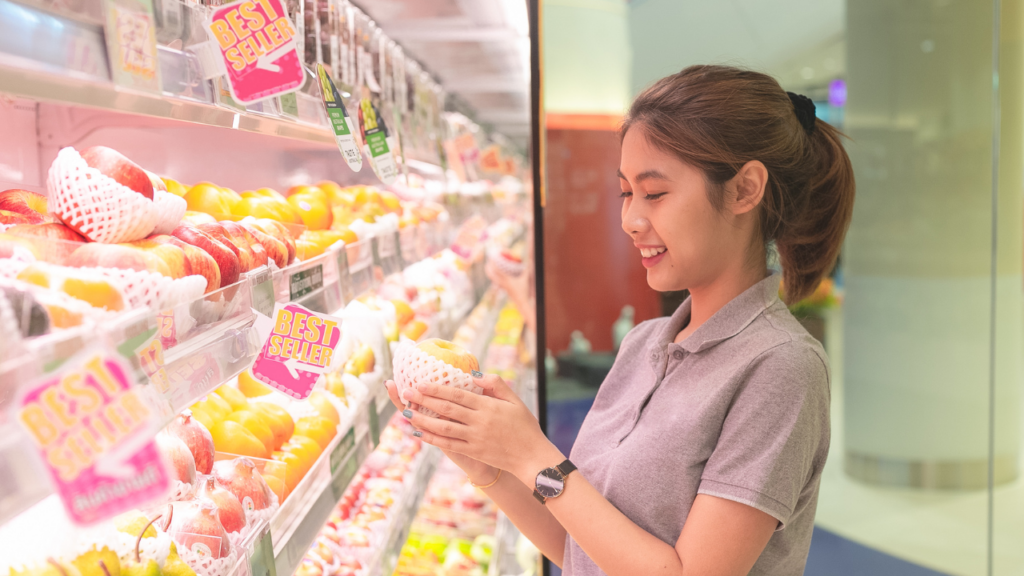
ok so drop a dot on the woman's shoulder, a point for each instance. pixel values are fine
(786, 352)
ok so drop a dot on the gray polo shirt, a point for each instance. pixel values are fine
(739, 410)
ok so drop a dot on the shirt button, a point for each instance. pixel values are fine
(678, 354)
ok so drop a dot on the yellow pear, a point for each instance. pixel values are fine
(50, 567)
(318, 399)
(232, 396)
(257, 424)
(102, 562)
(133, 523)
(336, 386)
(175, 566)
(231, 437)
(251, 387)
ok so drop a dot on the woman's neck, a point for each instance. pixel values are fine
(708, 299)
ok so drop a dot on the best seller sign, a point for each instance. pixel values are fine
(257, 43)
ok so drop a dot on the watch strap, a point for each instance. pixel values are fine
(566, 468)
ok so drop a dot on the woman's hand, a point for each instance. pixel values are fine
(478, 472)
(495, 428)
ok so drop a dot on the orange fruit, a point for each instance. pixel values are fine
(251, 387)
(280, 421)
(318, 400)
(99, 293)
(256, 424)
(318, 428)
(233, 397)
(34, 275)
(233, 438)
(293, 471)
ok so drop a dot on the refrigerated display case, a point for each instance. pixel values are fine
(138, 432)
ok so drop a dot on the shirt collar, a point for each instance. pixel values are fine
(724, 324)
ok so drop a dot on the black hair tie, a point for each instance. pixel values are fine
(804, 108)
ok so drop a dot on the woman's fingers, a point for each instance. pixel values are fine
(450, 409)
(441, 428)
(393, 394)
(446, 444)
(450, 393)
(494, 386)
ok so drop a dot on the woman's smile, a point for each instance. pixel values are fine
(651, 255)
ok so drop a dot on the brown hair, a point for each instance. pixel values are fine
(718, 118)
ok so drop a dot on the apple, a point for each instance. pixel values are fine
(242, 479)
(199, 261)
(50, 241)
(23, 202)
(196, 526)
(277, 230)
(113, 164)
(183, 465)
(158, 182)
(10, 218)
(196, 437)
(223, 254)
(276, 250)
(177, 264)
(229, 509)
(242, 250)
(125, 257)
(449, 353)
(240, 236)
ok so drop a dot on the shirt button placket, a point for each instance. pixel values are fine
(678, 354)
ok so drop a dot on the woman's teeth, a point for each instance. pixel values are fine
(650, 252)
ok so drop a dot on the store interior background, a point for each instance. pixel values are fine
(926, 346)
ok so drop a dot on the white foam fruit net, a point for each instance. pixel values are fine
(414, 366)
(169, 209)
(99, 207)
(208, 565)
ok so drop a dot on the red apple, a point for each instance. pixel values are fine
(276, 250)
(9, 217)
(199, 261)
(126, 257)
(240, 235)
(23, 202)
(115, 165)
(241, 249)
(229, 509)
(196, 437)
(183, 465)
(242, 479)
(224, 256)
(53, 242)
(197, 218)
(277, 230)
(195, 525)
(173, 256)
(158, 182)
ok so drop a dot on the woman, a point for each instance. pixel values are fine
(704, 448)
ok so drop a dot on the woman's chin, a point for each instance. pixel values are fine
(659, 283)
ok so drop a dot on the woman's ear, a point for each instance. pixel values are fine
(748, 187)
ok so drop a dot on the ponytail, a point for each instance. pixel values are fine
(718, 118)
(808, 241)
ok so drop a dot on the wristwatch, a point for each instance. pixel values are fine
(551, 481)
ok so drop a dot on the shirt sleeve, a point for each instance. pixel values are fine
(775, 435)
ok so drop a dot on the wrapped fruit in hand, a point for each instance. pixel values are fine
(434, 361)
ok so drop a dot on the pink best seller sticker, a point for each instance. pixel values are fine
(299, 348)
(95, 434)
(257, 42)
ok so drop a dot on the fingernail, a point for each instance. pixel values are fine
(418, 434)
(477, 374)
(407, 413)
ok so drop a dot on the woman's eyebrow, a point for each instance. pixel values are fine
(645, 175)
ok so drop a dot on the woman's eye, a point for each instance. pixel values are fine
(654, 196)
(625, 195)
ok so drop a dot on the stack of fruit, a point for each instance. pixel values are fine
(453, 532)
(358, 528)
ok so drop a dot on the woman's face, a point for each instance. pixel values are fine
(683, 240)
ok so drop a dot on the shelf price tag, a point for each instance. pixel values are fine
(262, 290)
(306, 281)
(377, 140)
(342, 450)
(341, 122)
(261, 561)
(131, 44)
(374, 424)
(95, 433)
(257, 42)
(344, 276)
(299, 347)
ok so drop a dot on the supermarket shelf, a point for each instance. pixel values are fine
(387, 556)
(23, 77)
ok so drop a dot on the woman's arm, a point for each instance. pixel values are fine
(720, 537)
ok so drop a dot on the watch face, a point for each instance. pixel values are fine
(550, 483)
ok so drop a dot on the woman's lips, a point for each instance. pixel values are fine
(650, 262)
